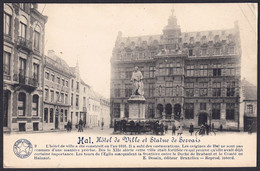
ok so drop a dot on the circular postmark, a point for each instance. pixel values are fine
(23, 148)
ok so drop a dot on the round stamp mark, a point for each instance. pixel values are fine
(23, 148)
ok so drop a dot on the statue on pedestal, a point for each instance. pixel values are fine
(137, 78)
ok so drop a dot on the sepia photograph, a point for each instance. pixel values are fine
(131, 85)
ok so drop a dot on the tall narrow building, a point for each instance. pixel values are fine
(24, 30)
(192, 77)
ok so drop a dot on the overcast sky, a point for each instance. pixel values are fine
(88, 31)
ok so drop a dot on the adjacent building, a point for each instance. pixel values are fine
(24, 30)
(248, 106)
(56, 98)
(189, 76)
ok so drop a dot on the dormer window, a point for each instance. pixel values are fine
(192, 40)
(216, 39)
(203, 40)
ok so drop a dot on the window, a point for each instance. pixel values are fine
(7, 60)
(217, 51)
(51, 115)
(203, 70)
(7, 23)
(57, 96)
(21, 104)
(35, 126)
(46, 115)
(126, 110)
(116, 110)
(230, 111)
(169, 88)
(117, 90)
(47, 75)
(192, 40)
(128, 73)
(84, 101)
(63, 82)
(204, 52)
(189, 89)
(151, 71)
(231, 50)
(203, 40)
(128, 90)
(46, 93)
(23, 27)
(66, 99)
(71, 101)
(37, 38)
(52, 95)
(52, 77)
(215, 110)
(66, 116)
(67, 84)
(150, 89)
(249, 109)
(22, 126)
(217, 89)
(169, 69)
(35, 105)
(203, 88)
(231, 69)
(61, 115)
(189, 110)
(58, 80)
(190, 52)
(77, 100)
(62, 97)
(161, 69)
(36, 72)
(190, 70)
(217, 70)
(77, 85)
(231, 88)
(203, 106)
(72, 83)
(22, 67)
(216, 39)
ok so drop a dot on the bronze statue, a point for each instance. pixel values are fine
(137, 78)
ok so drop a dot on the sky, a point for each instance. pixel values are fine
(87, 32)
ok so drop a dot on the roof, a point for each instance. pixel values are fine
(249, 90)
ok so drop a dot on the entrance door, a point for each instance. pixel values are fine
(177, 111)
(57, 119)
(203, 118)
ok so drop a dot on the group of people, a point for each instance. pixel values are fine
(204, 129)
(80, 126)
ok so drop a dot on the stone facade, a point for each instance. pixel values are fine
(56, 96)
(194, 76)
(24, 30)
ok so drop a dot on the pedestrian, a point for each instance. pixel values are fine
(212, 126)
(202, 130)
(102, 125)
(191, 130)
(80, 126)
(220, 127)
(68, 126)
(207, 128)
(173, 129)
(162, 128)
(179, 131)
(166, 128)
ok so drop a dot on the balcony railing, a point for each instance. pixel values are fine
(24, 43)
(30, 81)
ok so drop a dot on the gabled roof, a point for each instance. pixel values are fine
(249, 90)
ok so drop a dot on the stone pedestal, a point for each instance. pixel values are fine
(136, 107)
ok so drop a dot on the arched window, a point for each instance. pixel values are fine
(168, 111)
(23, 27)
(8, 13)
(160, 109)
(37, 35)
(21, 104)
(35, 105)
